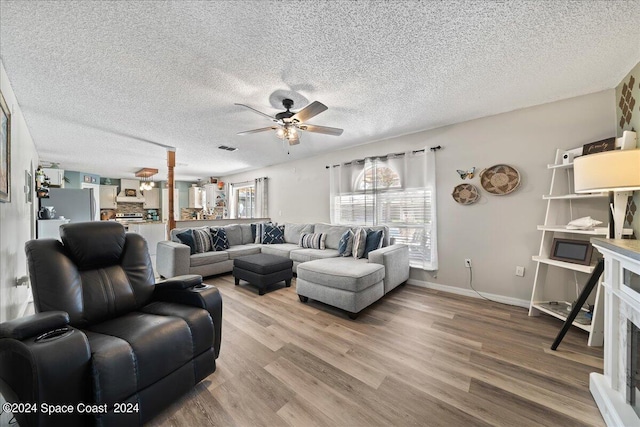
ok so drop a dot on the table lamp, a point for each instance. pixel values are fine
(617, 172)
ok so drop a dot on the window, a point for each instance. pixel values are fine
(245, 201)
(249, 199)
(395, 192)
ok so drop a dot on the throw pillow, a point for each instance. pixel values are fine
(313, 241)
(202, 240)
(272, 234)
(259, 230)
(186, 237)
(345, 246)
(372, 242)
(219, 241)
(359, 242)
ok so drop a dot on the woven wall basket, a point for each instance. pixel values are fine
(500, 179)
(465, 194)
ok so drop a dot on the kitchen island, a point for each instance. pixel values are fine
(153, 232)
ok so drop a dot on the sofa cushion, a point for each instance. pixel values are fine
(247, 235)
(333, 232)
(281, 250)
(345, 247)
(234, 234)
(313, 241)
(202, 240)
(186, 237)
(242, 250)
(273, 234)
(304, 255)
(219, 241)
(207, 258)
(292, 232)
(341, 273)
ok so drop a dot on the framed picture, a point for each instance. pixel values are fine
(574, 251)
(599, 146)
(129, 192)
(5, 151)
(87, 178)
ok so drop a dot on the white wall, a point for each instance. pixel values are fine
(498, 232)
(17, 217)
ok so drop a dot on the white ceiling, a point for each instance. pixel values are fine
(104, 85)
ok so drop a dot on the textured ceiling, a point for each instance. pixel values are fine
(104, 85)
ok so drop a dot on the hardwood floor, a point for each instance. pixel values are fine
(416, 357)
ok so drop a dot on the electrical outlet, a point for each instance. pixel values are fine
(467, 262)
(520, 271)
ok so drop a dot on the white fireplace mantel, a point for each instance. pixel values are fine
(621, 304)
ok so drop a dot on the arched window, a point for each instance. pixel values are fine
(379, 177)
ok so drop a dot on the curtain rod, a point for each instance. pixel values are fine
(434, 149)
(249, 181)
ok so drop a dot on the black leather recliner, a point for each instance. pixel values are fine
(108, 346)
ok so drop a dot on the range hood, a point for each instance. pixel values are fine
(130, 192)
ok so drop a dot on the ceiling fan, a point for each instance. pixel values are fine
(288, 124)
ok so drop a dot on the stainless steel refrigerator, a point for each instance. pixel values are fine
(78, 205)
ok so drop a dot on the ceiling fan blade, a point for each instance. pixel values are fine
(321, 129)
(294, 140)
(248, 132)
(309, 111)
(273, 119)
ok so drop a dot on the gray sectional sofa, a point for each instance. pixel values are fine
(344, 282)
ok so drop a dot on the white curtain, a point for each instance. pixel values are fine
(262, 197)
(233, 202)
(396, 190)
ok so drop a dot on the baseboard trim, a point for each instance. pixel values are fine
(469, 293)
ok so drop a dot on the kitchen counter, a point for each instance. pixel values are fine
(215, 222)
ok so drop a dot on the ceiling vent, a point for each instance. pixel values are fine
(224, 147)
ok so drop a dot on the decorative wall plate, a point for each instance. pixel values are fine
(500, 179)
(465, 194)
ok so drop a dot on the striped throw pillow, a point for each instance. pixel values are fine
(201, 240)
(359, 242)
(313, 241)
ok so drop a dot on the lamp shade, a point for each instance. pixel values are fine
(617, 170)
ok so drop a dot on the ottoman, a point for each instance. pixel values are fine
(262, 270)
(345, 283)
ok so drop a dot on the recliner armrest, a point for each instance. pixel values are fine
(201, 295)
(33, 325)
(180, 282)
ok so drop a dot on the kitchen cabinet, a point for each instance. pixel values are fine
(196, 197)
(56, 177)
(50, 228)
(216, 201)
(153, 233)
(108, 194)
(151, 199)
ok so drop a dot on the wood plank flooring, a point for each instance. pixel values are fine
(416, 357)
